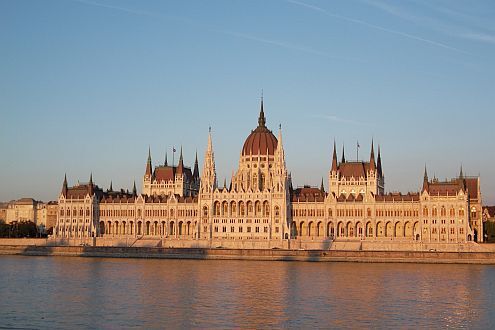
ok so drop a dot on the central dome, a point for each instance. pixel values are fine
(261, 141)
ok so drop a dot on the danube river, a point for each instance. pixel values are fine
(73, 293)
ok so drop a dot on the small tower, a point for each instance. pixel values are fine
(65, 188)
(334, 158)
(148, 173)
(209, 175)
(372, 158)
(425, 180)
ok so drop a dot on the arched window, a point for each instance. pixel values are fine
(277, 211)
(205, 211)
(216, 209)
(473, 213)
(266, 209)
(242, 209)
(425, 211)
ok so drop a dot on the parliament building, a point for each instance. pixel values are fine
(260, 204)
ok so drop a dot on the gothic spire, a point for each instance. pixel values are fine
(134, 190)
(64, 186)
(166, 161)
(322, 187)
(334, 157)
(91, 178)
(196, 167)
(461, 174)
(111, 187)
(343, 155)
(379, 169)
(181, 159)
(425, 180)
(148, 163)
(261, 119)
(372, 157)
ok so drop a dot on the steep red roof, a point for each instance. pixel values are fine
(167, 173)
(354, 169)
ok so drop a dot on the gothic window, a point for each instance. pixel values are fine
(266, 209)
(242, 209)
(205, 211)
(443, 212)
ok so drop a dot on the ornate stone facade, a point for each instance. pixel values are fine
(260, 204)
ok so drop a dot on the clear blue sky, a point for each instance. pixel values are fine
(86, 86)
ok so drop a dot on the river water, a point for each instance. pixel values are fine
(91, 293)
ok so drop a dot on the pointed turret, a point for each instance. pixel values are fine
(334, 157)
(91, 186)
(261, 119)
(224, 183)
(461, 174)
(379, 163)
(166, 161)
(65, 187)
(134, 190)
(208, 175)
(180, 166)
(343, 155)
(148, 164)
(372, 157)
(181, 158)
(196, 167)
(111, 187)
(322, 187)
(425, 180)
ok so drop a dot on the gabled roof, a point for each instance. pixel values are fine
(353, 169)
(308, 194)
(398, 197)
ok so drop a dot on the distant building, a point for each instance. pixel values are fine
(27, 209)
(260, 203)
(23, 209)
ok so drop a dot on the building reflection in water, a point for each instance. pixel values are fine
(126, 293)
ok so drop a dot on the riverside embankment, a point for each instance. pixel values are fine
(253, 254)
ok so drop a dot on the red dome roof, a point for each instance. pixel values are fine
(261, 141)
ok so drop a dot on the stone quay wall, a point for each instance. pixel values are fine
(42, 248)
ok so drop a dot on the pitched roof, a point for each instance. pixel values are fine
(308, 194)
(354, 169)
